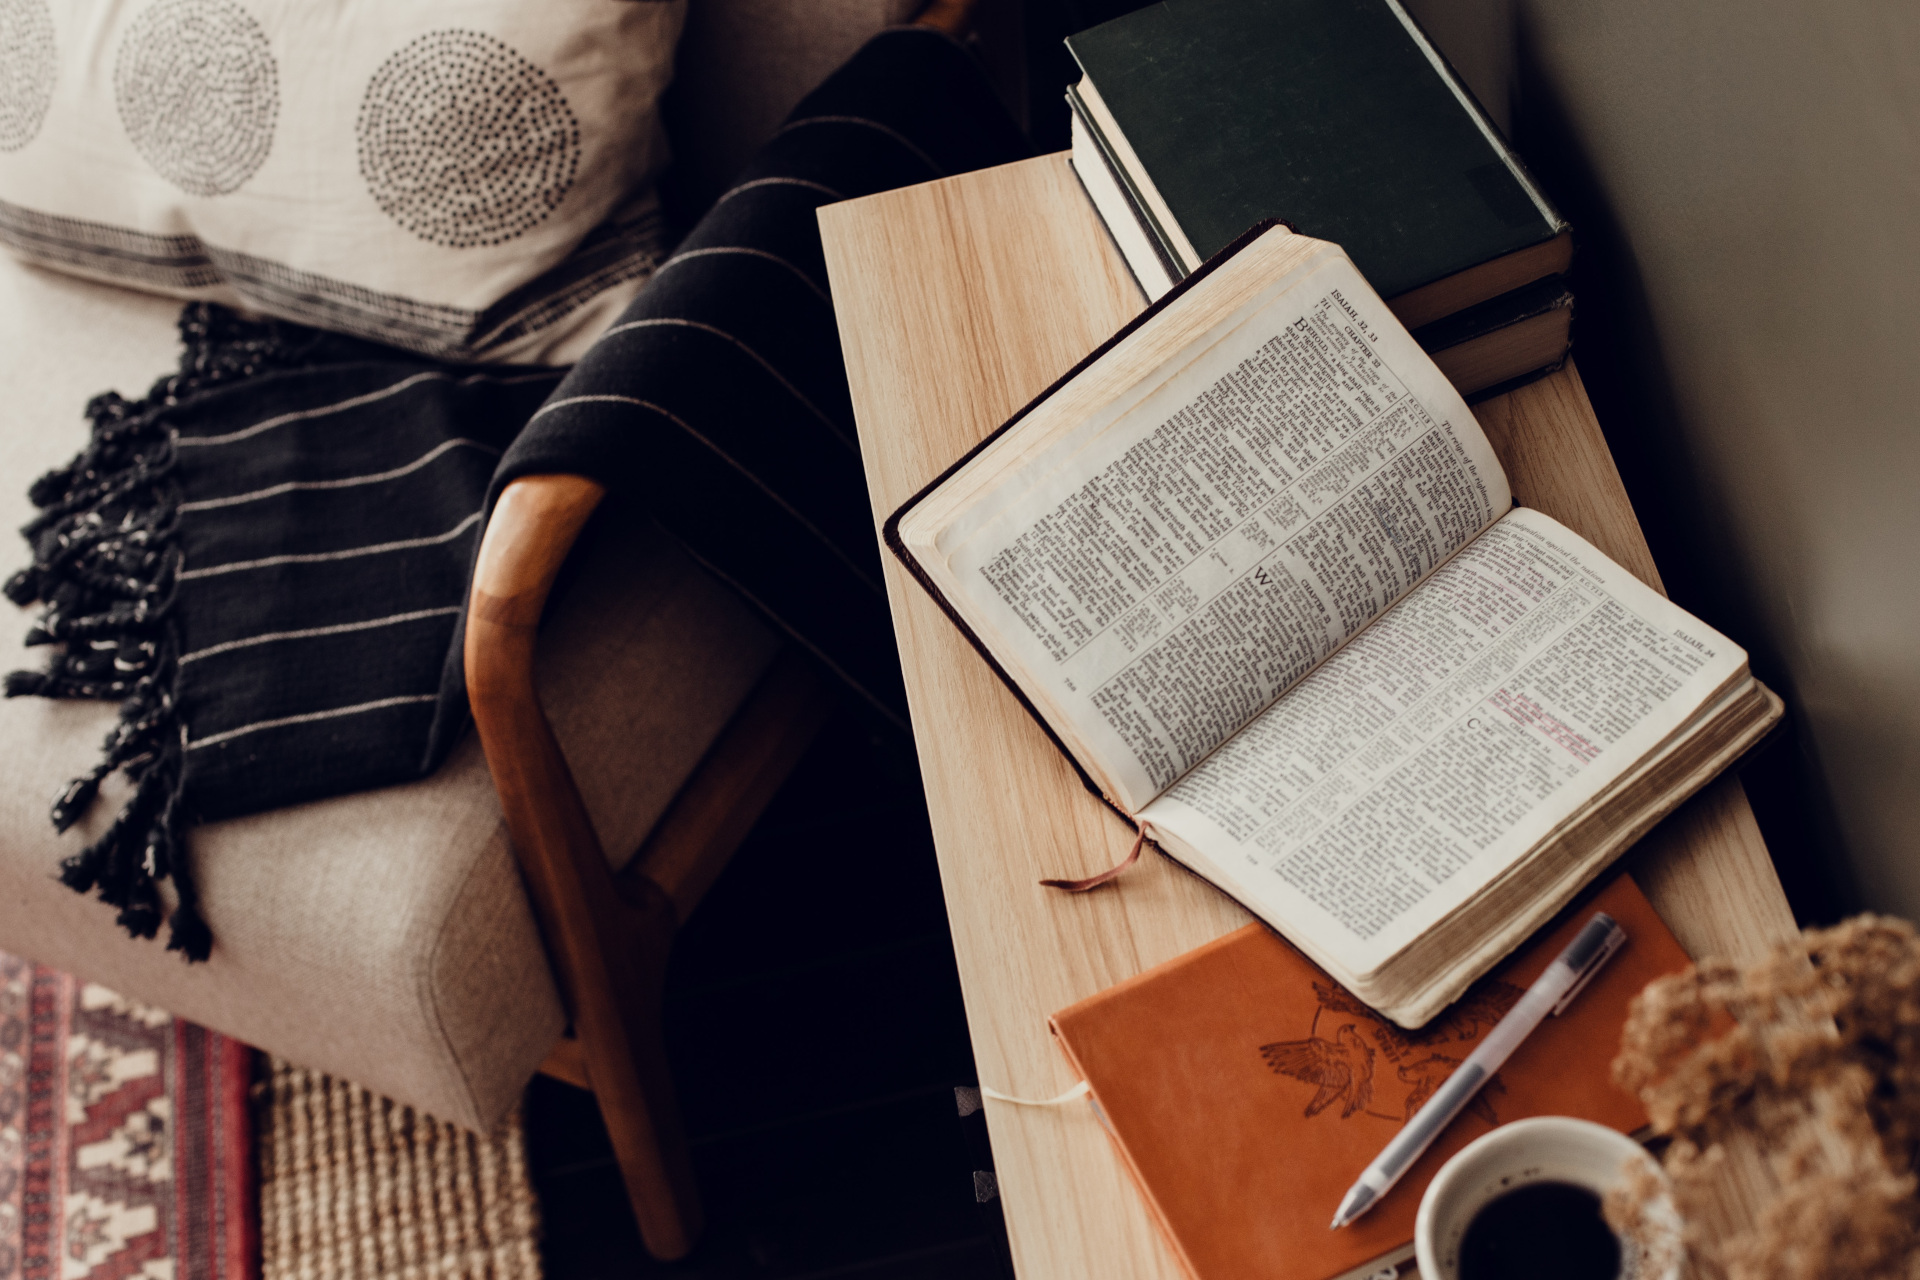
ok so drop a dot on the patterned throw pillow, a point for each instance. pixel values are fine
(470, 179)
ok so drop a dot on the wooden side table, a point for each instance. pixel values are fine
(959, 301)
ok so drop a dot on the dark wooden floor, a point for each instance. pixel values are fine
(817, 1038)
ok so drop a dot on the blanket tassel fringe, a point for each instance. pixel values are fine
(105, 571)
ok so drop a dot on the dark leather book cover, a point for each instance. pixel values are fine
(1333, 115)
(1246, 1090)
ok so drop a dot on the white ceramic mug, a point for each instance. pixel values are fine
(1543, 1149)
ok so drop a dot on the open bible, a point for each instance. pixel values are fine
(1256, 569)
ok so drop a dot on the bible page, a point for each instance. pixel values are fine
(1302, 467)
(1427, 757)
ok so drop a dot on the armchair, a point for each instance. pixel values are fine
(434, 941)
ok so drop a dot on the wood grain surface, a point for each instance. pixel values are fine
(958, 301)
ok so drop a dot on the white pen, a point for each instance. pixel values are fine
(1552, 992)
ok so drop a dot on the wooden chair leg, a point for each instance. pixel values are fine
(623, 1051)
(625, 1067)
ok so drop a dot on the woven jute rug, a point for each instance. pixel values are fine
(355, 1187)
(125, 1138)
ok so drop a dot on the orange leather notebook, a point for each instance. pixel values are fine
(1246, 1091)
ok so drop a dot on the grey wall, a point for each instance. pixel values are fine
(1745, 177)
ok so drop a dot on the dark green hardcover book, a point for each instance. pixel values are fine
(1495, 345)
(1336, 116)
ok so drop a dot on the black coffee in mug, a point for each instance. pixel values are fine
(1540, 1229)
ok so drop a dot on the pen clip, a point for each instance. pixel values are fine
(1616, 939)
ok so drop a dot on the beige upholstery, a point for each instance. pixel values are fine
(386, 937)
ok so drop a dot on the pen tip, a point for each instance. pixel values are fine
(1356, 1203)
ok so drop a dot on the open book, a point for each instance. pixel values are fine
(1256, 568)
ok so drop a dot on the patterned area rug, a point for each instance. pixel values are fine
(127, 1152)
(355, 1187)
(125, 1138)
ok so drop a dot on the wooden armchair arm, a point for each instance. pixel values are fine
(534, 526)
(607, 935)
(607, 942)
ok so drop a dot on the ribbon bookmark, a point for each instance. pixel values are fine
(1080, 1090)
(1111, 873)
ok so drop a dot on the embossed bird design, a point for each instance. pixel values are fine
(1341, 1069)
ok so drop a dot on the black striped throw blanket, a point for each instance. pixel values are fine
(265, 560)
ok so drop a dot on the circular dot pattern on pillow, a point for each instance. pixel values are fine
(198, 92)
(464, 142)
(27, 69)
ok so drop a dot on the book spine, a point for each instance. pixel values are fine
(1510, 308)
(1154, 1211)
(1471, 104)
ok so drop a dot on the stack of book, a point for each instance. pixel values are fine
(1194, 119)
